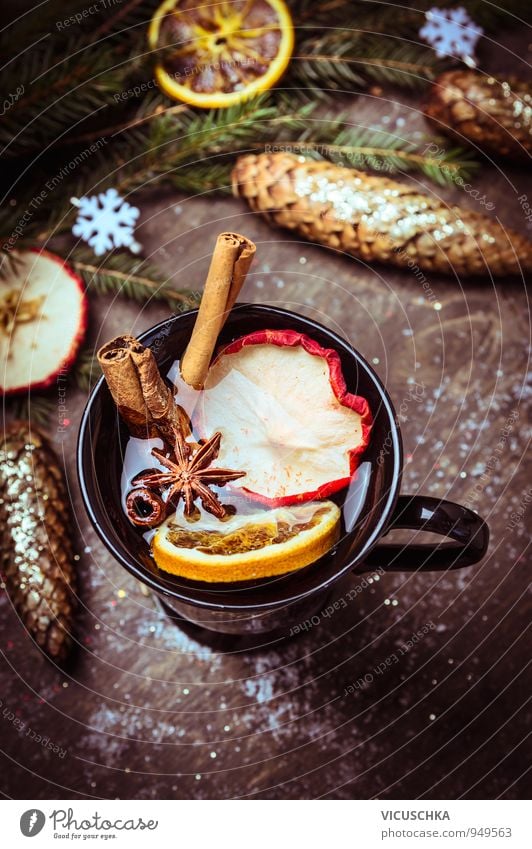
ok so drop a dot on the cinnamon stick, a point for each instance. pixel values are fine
(143, 399)
(229, 266)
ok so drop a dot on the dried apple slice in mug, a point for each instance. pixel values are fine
(281, 403)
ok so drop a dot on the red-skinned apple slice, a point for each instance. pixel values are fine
(286, 417)
(43, 318)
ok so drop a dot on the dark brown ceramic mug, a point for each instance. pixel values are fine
(372, 506)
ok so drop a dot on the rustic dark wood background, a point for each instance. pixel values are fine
(153, 710)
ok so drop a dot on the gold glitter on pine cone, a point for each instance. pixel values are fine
(37, 557)
(495, 116)
(375, 218)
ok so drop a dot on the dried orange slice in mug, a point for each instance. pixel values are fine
(216, 54)
(247, 547)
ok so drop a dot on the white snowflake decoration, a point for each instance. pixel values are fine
(451, 32)
(106, 221)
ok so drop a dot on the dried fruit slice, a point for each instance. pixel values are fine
(43, 317)
(270, 542)
(219, 54)
(281, 404)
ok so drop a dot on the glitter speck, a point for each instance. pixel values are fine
(65, 684)
(227, 727)
(432, 716)
(463, 474)
(198, 777)
(127, 769)
(437, 306)
(213, 755)
(186, 691)
(87, 549)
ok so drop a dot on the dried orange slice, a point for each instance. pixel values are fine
(266, 543)
(218, 54)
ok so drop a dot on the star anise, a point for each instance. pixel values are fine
(189, 476)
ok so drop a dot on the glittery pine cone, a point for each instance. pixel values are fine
(495, 116)
(375, 218)
(37, 557)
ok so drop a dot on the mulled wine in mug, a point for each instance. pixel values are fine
(244, 502)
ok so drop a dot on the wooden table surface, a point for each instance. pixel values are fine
(154, 710)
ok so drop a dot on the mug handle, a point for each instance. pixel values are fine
(422, 513)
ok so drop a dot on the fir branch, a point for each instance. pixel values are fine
(57, 95)
(166, 145)
(404, 18)
(386, 151)
(152, 108)
(376, 150)
(194, 152)
(31, 407)
(67, 79)
(341, 60)
(117, 274)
